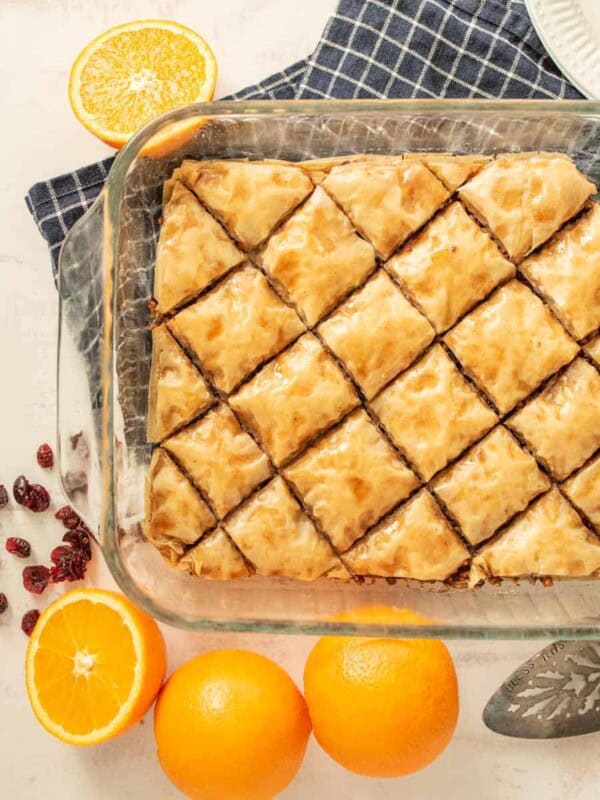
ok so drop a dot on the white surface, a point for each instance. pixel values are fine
(570, 31)
(38, 40)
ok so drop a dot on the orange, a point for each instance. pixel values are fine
(382, 707)
(94, 665)
(231, 725)
(134, 72)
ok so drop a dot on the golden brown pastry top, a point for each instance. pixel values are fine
(386, 202)
(215, 557)
(278, 537)
(584, 490)
(176, 515)
(452, 170)
(316, 257)
(414, 542)
(193, 250)
(221, 458)
(376, 333)
(178, 392)
(250, 198)
(525, 200)
(567, 272)
(450, 266)
(236, 327)
(351, 478)
(294, 397)
(562, 424)
(500, 475)
(547, 539)
(510, 344)
(417, 407)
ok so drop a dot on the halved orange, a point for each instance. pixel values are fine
(94, 665)
(134, 72)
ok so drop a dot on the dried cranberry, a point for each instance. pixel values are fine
(3, 602)
(3, 496)
(37, 498)
(29, 621)
(68, 517)
(45, 456)
(69, 564)
(35, 579)
(79, 540)
(18, 547)
(20, 489)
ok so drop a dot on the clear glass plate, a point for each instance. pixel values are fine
(106, 275)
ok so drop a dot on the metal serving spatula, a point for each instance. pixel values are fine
(555, 693)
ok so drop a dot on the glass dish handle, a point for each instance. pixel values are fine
(79, 368)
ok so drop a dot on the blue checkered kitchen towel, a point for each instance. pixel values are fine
(377, 49)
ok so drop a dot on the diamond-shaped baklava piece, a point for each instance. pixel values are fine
(249, 198)
(236, 327)
(275, 535)
(317, 257)
(510, 344)
(549, 539)
(415, 541)
(177, 390)
(562, 424)
(593, 350)
(193, 250)
(452, 170)
(350, 479)
(432, 413)
(450, 266)
(584, 490)
(294, 397)
(525, 199)
(214, 557)
(386, 202)
(376, 333)
(503, 478)
(567, 273)
(222, 459)
(176, 515)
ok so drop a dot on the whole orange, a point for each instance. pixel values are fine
(382, 707)
(231, 725)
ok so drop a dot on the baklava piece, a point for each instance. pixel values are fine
(416, 541)
(376, 333)
(567, 273)
(452, 170)
(432, 413)
(278, 538)
(502, 477)
(562, 424)
(583, 489)
(549, 539)
(525, 199)
(510, 344)
(317, 257)
(294, 397)
(215, 557)
(176, 515)
(450, 266)
(223, 460)
(178, 392)
(236, 327)
(350, 479)
(386, 202)
(193, 250)
(250, 198)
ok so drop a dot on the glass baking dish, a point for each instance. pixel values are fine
(106, 275)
